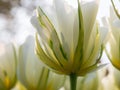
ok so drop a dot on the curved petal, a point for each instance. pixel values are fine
(29, 65)
(89, 10)
(52, 37)
(65, 27)
(91, 80)
(8, 66)
(32, 73)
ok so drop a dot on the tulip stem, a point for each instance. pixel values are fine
(73, 81)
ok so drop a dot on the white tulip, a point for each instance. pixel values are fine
(32, 74)
(70, 40)
(113, 52)
(8, 67)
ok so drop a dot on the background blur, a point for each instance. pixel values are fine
(15, 19)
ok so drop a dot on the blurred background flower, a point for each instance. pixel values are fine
(15, 19)
(32, 73)
(8, 66)
(108, 78)
(113, 44)
(116, 75)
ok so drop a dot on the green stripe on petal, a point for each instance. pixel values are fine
(79, 49)
(94, 53)
(43, 78)
(81, 32)
(53, 41)
(94, 66)
(15, 61)
(43, 57)
(101, 52)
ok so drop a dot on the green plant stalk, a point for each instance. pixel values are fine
(73, 81)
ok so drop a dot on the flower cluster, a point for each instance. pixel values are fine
(69, 42)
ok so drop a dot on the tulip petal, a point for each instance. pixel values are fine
(54, 83)
(8, 66)
(79, 48)
(92, 63)
(53, 39)
(90, 80)
(28, 65)
(90, 69)
(43, 79)
(89, 11)
(41, 54)
(93, 53)
(32, 74)
(65, 26)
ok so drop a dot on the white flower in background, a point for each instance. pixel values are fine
(107, 78)
(70, 40)
(113, 52)
(8, 67)
(32, 74)
(89, 82)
